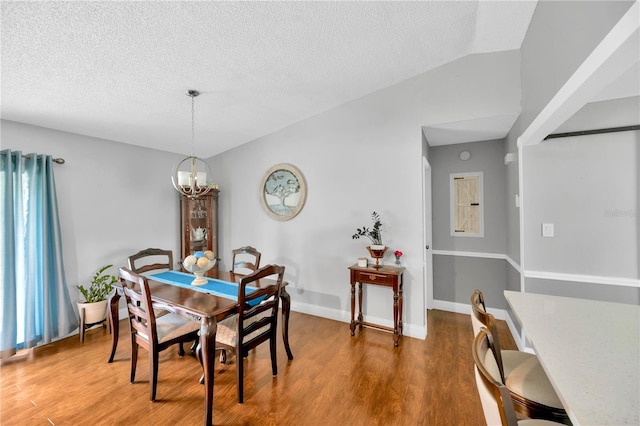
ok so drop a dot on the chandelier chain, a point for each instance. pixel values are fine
(192, 183)
(193, 123)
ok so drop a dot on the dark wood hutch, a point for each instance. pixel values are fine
(199, 224)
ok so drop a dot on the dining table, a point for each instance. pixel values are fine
(207, 304)
(590, 350)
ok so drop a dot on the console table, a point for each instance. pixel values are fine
(388, 276)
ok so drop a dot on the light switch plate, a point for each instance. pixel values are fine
(547, 230)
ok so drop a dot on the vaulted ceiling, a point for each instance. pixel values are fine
(120, 70)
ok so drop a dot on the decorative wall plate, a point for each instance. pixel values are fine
(283, 191)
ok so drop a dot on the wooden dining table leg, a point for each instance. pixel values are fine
(114, 321)
(286, 310)
(208, 354)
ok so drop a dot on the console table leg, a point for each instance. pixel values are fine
(360, 317)
(400, 306)
(353, 309)
(396, 328)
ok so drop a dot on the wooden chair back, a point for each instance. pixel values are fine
(481, 318)
(257, 319)
(151, 259)
(245, 259)
(141, 314)
(258, 310)
(497, 404)
(478, 311)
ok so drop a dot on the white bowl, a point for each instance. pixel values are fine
(199, 271)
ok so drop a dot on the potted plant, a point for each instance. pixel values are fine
(94, 308)
(373, 234)
(376, 249)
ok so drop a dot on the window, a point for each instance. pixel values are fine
(467, 211)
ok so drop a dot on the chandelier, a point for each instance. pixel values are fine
(189, 176)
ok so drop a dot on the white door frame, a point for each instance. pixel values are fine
(427, 264)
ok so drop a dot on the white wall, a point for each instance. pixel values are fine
(361, 157)
(113, 199)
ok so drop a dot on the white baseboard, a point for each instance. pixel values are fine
(501, 314)
(409, 330)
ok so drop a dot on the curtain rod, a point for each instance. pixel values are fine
(593, 132)
(55, 160)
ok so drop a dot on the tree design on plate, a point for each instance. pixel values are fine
(283, 192)
(281, 184)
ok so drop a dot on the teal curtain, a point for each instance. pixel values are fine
(36, 307)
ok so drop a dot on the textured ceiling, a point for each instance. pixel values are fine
(119, 70)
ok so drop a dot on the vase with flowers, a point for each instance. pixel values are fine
(398, 255)
(376, 249)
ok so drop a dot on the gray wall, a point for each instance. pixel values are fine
(458, 276)
(486, 157)
(588, 187)
(455, 276)
(363, 156)
(572, 182)
(560, 37)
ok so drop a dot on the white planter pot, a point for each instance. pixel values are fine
(93, 312)
(377, 246)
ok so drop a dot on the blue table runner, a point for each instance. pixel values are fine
(213, 286)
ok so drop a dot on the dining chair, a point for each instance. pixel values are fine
(497, 404)
(256, 321)
(154, 260)
(521, 372)
(150, 260)
(155, 334)
(245, 260)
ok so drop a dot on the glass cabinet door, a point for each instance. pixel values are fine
(199, 224)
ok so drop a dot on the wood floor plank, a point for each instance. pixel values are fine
(335, 379)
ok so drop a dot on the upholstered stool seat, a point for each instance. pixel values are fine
(521, 372)
(525, 377)
(536, 422)
(497, 402)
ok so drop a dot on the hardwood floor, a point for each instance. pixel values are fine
(334, 379)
